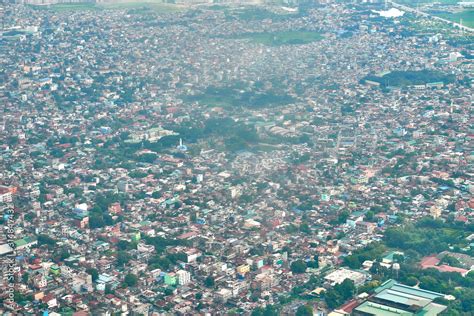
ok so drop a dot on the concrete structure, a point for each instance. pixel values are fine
(184, 277)
(394, 299)
(338, 276)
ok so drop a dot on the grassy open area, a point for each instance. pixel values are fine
(156, 6)
(146, 5)
(415, 2)
(284, 37)
(215, 101)
(233, 96)
(67, 7)
(467, 17)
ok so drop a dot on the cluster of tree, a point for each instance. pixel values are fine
(448, 183)
(12, 140)
(160, 243)
(209, 282)
(451, 261)
(147, 157)
(99, 215)
(165, 261)
(298, 266)
(46, 240)
(371, 252)
(304, 228)
(304, 310)
(126, 245)
(103, 200)
(99, 218)
(60, 254)
(232, 95)
(340, 293)
(94, 273)
(424, 237)
(269, 310)
(427, 236)
(163, 143)
(236, 135)
(314, 263)
(137, 174)
(130, 280)
(342, 217)
(123, 257)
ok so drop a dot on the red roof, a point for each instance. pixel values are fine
(432, 262)
(187, 235)
(462, 218)
(446, 268)
(349, 306)
(429, 262)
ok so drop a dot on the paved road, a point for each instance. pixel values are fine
(427, 15)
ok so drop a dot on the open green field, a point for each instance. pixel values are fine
(147, 5)
(284, 37)
(467, 17)
(415, 2)
(216, 101)
(67, 7)
(233, 96)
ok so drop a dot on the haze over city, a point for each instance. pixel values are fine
(206, 157)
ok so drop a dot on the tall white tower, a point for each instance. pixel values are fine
(396, 269)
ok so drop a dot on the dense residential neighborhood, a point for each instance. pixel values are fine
(230, 159)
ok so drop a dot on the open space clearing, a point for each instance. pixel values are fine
(414, 3)
(467, 17)
(447, 9)
(155, 6)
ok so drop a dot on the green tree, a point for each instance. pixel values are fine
(369, 216)
(96, 220)
(304, 310)
(25, 277)
(304, 227)
(123, 244)
(269, 310)
(46, 240)
(130, 280)
(122, 258)
(343, 216)
(298, 266)
(94, 273)
(332, 298)
(313, 264)
(209, 281)
(346, 289)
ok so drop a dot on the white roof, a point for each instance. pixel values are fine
(5, 249)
